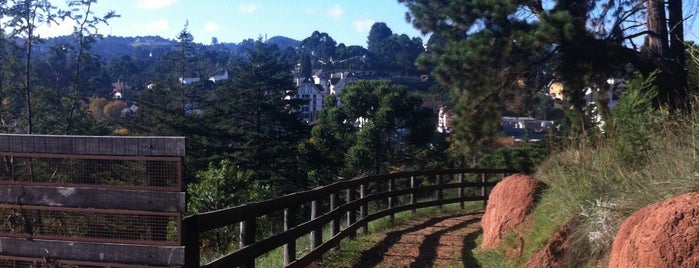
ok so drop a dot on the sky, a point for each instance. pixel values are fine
(232, 21)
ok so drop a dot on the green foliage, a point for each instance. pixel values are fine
(372, 131)
(630, 121)
(250, 118)
(392, 52)
(524, 158)
(223, 186)
(692, 68)
(485, 50)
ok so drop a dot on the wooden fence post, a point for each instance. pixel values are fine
(461, 190)
(391, 187)
(484, 191)
(247, 237)
(191, 242)
(316, 234)
(334, 203)
(363, 209)
(412, 193)
(440, 193)
(290, 246)
(351, 212)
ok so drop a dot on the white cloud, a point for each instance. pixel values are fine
(363, 26)
(156, 27)
(336, 12)
(211, 27)
(248, 8)
(154, 4)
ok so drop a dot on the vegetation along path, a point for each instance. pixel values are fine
(443, 241)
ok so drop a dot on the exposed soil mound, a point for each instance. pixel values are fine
(552, 255)
(508, 204)
(664, 234)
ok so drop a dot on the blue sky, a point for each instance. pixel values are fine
(346, 22)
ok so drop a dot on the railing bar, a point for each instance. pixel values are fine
(92, 157)
(93, 186)
(91, 210)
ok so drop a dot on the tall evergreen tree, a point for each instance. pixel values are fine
(252, 119)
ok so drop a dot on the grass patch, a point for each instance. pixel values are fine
(645, 155)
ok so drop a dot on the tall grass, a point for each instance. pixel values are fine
(643, 156)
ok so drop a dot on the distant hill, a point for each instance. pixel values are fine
(143, 46)
(113, 46)
(284, 42)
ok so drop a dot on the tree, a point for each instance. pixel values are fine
(381, 45)
(321, 47)
(376, 128)
(25, 17)
(85, 32)
(488, 48)
(409, 50)
(185, 57)
(252, 120)
(222, 186)
(324, 152)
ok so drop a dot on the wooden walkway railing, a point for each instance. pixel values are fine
(91, 201)
(344, 207)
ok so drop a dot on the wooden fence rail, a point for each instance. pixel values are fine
(91, 201)
(379, 196)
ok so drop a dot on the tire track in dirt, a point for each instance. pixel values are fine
(444, 241)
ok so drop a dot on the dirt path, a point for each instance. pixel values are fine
(444, 241)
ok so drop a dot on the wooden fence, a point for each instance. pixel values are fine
(91, 201)
(343, 207)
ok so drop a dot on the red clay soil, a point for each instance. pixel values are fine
(552, 254)
(664, 234)
(508, 204)
(438, 242)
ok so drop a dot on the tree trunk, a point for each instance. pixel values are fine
(676, 56)
(656, 40)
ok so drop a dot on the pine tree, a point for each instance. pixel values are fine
(252, 120)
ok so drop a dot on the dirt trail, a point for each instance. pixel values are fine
(444, 241)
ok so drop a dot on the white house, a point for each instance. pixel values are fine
(189, 80)
(220, 76)
(312, 94)
(344, 79)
